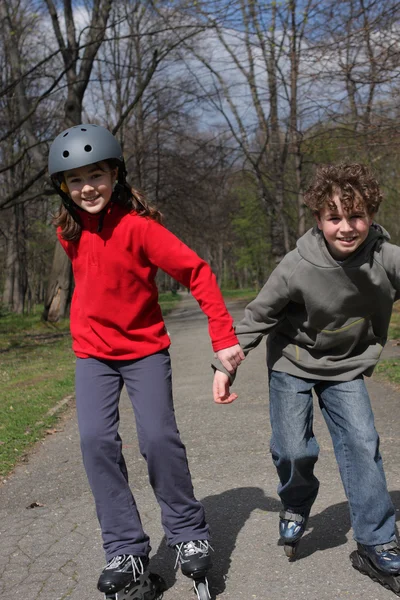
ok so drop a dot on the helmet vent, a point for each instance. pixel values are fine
(65, 134)
(83, 129)
(88, 148)
(65, 154)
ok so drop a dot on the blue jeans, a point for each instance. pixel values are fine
(346, 408)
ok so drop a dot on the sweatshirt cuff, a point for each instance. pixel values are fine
(216, 365)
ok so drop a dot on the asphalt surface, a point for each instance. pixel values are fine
(53, 551)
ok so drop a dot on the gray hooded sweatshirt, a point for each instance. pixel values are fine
(326, 320)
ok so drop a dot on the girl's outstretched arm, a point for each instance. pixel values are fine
(167, 252)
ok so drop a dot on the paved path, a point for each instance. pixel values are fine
(53, 552)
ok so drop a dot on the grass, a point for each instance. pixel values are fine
(37, 369)
(168, 301)
(247, 294)
(394, 329)
(389, 369)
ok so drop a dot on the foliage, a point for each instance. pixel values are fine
(250, 226)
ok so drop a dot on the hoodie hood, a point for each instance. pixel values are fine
(312, 248)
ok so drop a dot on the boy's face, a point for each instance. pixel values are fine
(91, 187)
(344, 231)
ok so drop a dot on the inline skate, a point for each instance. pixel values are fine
(195, 560)
(126, 577)
(381, 563)
(291, 528)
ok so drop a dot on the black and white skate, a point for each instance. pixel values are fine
(195, 560)
(120, 571)
(126, 577)
(364, 565)
(147, 586)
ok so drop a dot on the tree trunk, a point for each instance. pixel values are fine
(59, 287)
(16, 282)
(11, 259)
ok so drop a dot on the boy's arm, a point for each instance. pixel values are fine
(221, 391)
(265, 312)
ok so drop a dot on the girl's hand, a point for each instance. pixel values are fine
(221, 389)
(231, 357)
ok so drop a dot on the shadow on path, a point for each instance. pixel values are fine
(329, 528)
(227, 514)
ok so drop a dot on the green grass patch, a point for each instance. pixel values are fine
(247, 294)
(394, 329)
(168, 301)
(37, 369)
(389, 369)
(36, 372)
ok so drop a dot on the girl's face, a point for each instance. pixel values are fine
(344, 231)
(91, 187)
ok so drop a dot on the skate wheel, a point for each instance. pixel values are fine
(201, 589)
(356, 561)
(149, 586)
(158, 582)
(390, 582)
(290, 550)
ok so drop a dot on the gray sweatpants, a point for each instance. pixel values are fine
(149, 386)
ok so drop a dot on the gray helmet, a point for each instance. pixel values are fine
(82, 145)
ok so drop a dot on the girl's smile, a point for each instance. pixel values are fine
(91, 187)
(344, 231)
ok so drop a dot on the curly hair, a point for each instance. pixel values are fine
(350, 182)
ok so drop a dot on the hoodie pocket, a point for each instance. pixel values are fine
(352, 338)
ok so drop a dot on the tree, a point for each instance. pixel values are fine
(265, 43)
(19, 149)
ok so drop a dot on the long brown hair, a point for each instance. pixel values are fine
(124, 195)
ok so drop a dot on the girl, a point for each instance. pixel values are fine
(116, 244)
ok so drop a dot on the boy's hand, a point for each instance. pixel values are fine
(231, 357)
(221, 389)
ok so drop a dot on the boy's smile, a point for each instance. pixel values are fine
(344, 231)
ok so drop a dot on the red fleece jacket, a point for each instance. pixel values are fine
(115, 312)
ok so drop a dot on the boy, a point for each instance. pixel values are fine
(326, 309)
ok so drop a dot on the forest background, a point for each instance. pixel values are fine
(223, 109)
